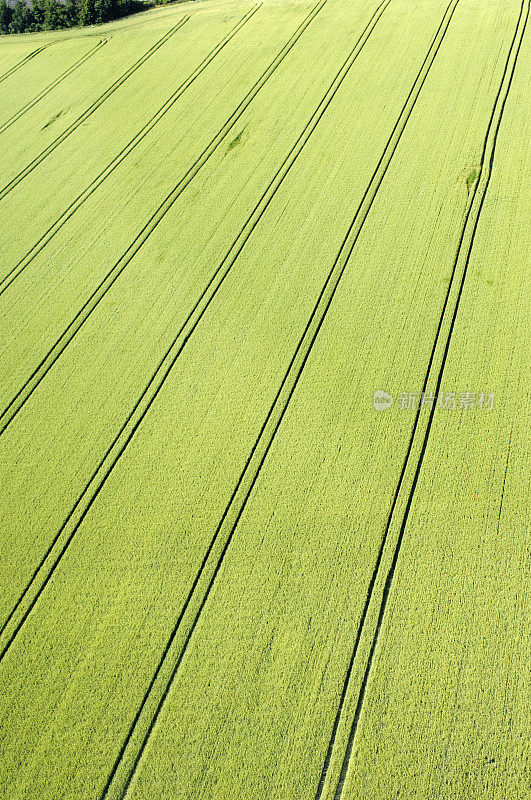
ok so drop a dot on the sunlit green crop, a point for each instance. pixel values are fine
(263, 306)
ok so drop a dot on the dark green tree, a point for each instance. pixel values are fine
(49, 15)
(72, 11)
(55, 15)
(5, 17)
(86, 12)
(22, 19)
(39, 13)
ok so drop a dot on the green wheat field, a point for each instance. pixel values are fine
(264, 403)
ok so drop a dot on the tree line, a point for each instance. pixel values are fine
(49, 15)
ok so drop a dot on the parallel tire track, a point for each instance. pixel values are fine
(22, 61)
(51, 86)
(67, 531)
(434, 375)
(83, 314)
(157, 692)
(123, 154)
(90, 110)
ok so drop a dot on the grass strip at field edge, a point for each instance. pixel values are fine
(20, 398)
(389, 551)
(38, 97)
(71, 209)
(91, 109)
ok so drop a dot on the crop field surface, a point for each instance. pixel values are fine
(264, 403)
